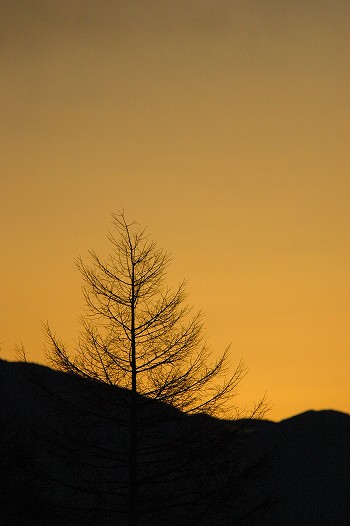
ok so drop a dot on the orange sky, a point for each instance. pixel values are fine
(224, 127)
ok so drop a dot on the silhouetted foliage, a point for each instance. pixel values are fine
(139, 339)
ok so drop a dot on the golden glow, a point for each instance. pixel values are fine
(224, 128)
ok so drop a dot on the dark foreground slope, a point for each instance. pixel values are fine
(65, 452)
(63, 460)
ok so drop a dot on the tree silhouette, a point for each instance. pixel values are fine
(138, 335)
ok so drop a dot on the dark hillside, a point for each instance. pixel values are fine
(63, 459)
(65, 456)
(309, 472)
(312, 469)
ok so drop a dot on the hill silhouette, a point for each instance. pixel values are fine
(49, 474)
(310, 468)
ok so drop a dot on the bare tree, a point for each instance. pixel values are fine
(139, 335)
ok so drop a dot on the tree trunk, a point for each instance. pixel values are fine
(133, 497)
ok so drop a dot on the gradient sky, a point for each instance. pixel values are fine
(221, 125)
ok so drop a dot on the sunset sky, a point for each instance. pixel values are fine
(223, 126)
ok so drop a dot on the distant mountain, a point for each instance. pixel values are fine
(310, 472)
(295, 472)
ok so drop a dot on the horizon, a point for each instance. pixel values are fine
(264, 417)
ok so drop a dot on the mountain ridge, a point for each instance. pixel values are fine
(302, 416)
(307, 479)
